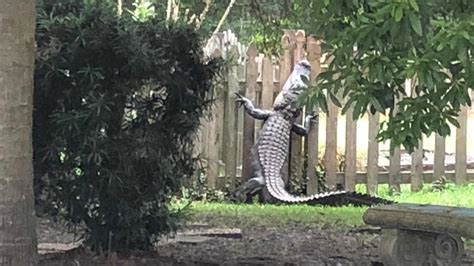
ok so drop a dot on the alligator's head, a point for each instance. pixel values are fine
(294, 86)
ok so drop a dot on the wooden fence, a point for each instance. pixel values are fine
(226, 138)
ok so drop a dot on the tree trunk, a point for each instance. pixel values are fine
(17, 54)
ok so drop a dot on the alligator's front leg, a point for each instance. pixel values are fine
(303, 130)
(251, 110)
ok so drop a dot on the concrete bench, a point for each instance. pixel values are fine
(414, 234)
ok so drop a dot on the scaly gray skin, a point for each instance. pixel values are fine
(272, 147)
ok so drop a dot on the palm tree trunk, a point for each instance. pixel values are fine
(17, 54)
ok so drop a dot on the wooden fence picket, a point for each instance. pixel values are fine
(350, 152)
(394, 178)
(214, 137)
(296, 148)
(373, 154)
(417, 155)
(267, 84)
(439, 157)
(230, 124)
(461, 151)
(313, 46)
(249, 123)
(286, 62)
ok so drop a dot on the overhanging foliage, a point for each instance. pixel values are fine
(378, 44)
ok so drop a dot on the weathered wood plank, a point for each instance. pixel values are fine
(330, 157)
(417, 168)
(461, 147)
(214, 133)
(439, 156)
(417, 155)
(230, 125)
(313, 47)
(394, 168)
(350, 153)
(249, 123)
(431, 218)
(373, 154)
(267, 84)
(296, 147)
(286, 64)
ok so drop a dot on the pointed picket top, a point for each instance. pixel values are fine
(299, 51)
(313, 53)
(313, 47)
(300, 38)
(252, 51)
(285, 42)
(292, 35)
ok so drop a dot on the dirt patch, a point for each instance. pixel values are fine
(288, 245)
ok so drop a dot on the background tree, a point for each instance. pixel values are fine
(17, 46)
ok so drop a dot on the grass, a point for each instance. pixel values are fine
(251, 215)
(275, 216)
(451, 195)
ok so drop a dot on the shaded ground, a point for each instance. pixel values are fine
(289, 245)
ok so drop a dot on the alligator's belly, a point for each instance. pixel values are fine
(273, 143)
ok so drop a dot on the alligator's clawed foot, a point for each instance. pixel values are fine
(312, 116)
(248, 190)
(241, 100)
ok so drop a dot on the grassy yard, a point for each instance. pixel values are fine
(244, 215)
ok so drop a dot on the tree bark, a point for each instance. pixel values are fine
(17, 55)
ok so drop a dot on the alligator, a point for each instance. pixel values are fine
(272, 147)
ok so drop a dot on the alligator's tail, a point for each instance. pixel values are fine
(276, 188)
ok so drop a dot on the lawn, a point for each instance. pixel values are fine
(244, 215)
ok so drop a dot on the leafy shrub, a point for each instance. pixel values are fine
(117, 103)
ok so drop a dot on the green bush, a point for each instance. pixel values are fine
(117, 103)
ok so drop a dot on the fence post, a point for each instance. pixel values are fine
(313, 47)
(330, 152)
(350, 152)
(249, 123)
(461, 156)
(417, 155)
(267, 84)
(296, 152)
(286, 62)
(394, 174)
(373, 154)
(439, 157)
(230, 124)
(213, 134)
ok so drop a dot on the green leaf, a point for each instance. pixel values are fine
(415, 23)
(398, 14)
(322, 103)
(414, 5)
(453, 121)
(462, 54)
(347, 105)
(444, 130)
(375, 102)
(334, 99)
